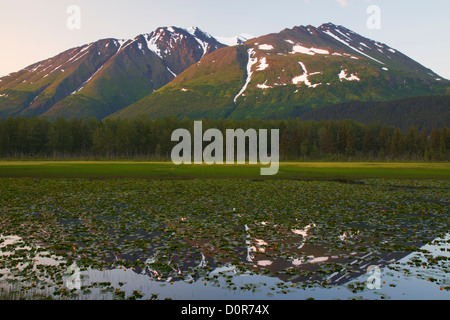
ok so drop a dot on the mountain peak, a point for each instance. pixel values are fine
(236, 40)
(197, 32)
(193, 29)
(330, 25)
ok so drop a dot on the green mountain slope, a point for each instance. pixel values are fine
(425, 113)
(283, 75)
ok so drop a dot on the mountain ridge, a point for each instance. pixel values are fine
(280, 75)
(101, 77)
(186, 72)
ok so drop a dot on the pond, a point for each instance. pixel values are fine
(223, 239)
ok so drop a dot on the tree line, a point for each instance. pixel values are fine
(343, 140)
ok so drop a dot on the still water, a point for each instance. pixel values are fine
(420, 275)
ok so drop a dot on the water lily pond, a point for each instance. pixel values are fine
(224, 239)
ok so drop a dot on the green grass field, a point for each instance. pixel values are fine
(167, 170)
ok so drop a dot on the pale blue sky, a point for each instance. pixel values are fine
(33, 30)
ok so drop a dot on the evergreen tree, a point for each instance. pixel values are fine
(397, 145)
(342, 138)
(411, 141)
(350, 146)
(442, 146)
(120, 138)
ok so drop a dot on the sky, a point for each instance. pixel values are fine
(34, 30)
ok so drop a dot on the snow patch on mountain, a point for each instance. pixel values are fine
(152, 44)
(140, 46)
(34, 99)
(251, 62)
(85, 47)
(328, 32)
(343, 76)
(57, 68)
(365, 45)
(87, 81)
(263, 86)
(203, 44)
(34, 69)
(298, 48)
(347, 38)
(154, 39)
(173, 73)
(344, 55)
(76, 57)
(263, 65)
(196, 32)
(304, 77)
(233, 41)
(265, 47)
(119, 43)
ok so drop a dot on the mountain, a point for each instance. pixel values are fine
(97, 79)
(189, 73)
(285, 74)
